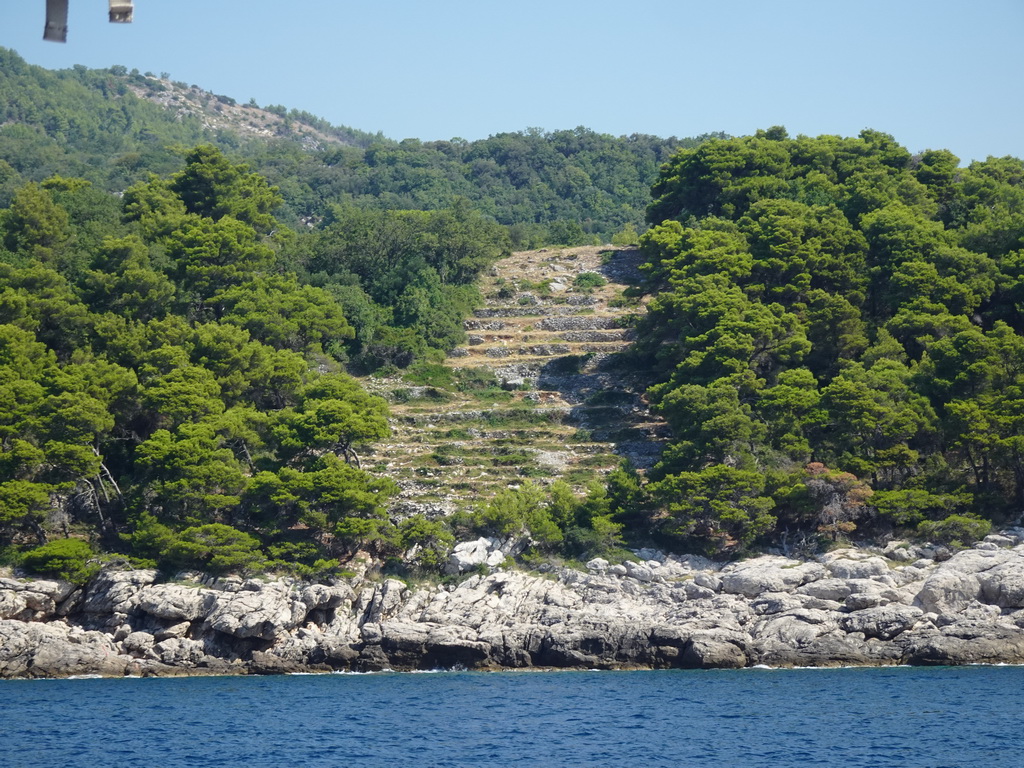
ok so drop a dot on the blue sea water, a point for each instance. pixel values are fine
(870, 718)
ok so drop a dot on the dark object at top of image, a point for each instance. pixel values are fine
(56, 29)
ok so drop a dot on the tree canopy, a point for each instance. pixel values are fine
(828, 308)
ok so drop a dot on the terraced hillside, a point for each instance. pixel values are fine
(539, 391)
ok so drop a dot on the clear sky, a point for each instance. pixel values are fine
(934, 73)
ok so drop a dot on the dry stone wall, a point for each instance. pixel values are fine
(566, 407)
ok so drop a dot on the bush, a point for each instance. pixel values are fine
(216, 549)
(517, 512)
(431, 538)
(66, 559)
(151, 539)
(626, 236)
(587, 281)
(955, 530)
(430, 374)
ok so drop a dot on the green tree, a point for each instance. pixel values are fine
(213, 187)
(67, 559)
(720, 508)
(216, 548)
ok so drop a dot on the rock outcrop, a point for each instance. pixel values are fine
(850, 607)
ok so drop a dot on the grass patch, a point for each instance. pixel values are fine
(430, 375)
(585, 282)
(492, 395)
(519, 417)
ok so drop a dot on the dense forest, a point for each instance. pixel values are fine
(833, 331)
(114, 127)
(835, 336)
(173, 364)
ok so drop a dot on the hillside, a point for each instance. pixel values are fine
(538, 392)
(114, 126)
(821, 337)
(219, 114)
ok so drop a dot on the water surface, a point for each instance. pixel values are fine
(931, 718)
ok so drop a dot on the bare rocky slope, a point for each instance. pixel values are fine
(540, 392)
(222, 113)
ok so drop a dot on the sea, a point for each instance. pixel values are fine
(962, 717)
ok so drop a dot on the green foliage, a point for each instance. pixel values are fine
(212, 187)
(958, 530)
(431, 375)
(183, 387)
(91, 123)
(67, 559)
(23, 502)
(626, 236)
(829, 317)
(519, 512)
(216, 548)
(588, 281)
(408, 273)
(557, 520)
(431, 540)
(721, 507)
(830, 303)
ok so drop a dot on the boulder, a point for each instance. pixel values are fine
(469, 555)
(708, 581)
(35, 600)
(175, 602)
(713, 650)
(114, 592)
(55, 649)
(768, 574)
(138, 643)
(265, 615)
(955, 584)
(966, 644)
(883, 623)
(1003, 585)
(854, 564)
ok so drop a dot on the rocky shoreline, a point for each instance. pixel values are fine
(901, 605)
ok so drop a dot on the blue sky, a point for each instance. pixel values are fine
(934, 73)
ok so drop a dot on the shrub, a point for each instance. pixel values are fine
(626, 236)
(914, 505)
(217, 549)
(515, 512)
(430, 374)
(150, 539)
(431, 538)
(956, 530)
(587, 281)
(66, 559)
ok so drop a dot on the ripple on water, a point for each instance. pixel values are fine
(888, 718)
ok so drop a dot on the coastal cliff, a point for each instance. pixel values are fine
(901, 605)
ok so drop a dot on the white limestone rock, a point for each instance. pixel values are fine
(138, 643)
(175, 602)
(883, 623)
(1003, 585)
(854, 564)
(955, 584)
(116, 591)
(266, 614)
(469, 555)
(768, 573)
